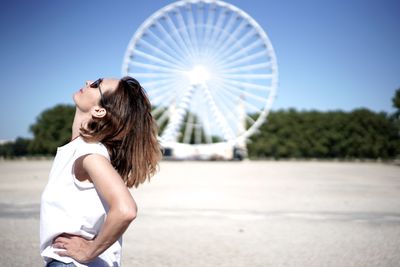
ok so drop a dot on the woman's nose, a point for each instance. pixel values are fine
(87, 83)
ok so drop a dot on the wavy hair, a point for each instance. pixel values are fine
(129, 132)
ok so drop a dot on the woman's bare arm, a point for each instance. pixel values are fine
(122, 211)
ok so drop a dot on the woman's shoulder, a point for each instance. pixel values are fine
(85, 147)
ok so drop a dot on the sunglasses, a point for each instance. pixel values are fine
(96, 84)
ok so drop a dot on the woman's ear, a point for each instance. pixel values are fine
(98, 112)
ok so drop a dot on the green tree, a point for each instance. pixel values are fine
(20, 146)
(396, 100)
(53, 128)
(6, 150)
(15, 149)
(335, 134)
(396, 105)
(396, 116)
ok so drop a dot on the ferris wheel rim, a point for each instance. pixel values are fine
(263, 35)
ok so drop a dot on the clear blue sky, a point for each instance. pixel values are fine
(332, 54)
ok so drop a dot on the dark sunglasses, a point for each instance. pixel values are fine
(96, 84)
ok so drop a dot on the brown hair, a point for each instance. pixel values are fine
(128, 131)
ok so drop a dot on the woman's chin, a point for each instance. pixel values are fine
(74, 97)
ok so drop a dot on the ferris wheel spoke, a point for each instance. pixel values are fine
(177, 43)
(165, 94)
(165, 37)
(216, 44)
(228, 97)
(163, 99)
(153, 58)
(155, 67)
(246, 68)
(241, 41)
(247, 85)
(238, 120)
(168, 95)
(227, 43)
(152, 83)
(163, 54)
(208, 26)
(221, 121)
(152, 75)
(160, 92)
(163, 44)
(217, 27)
(192, 30)
(222, 52)
(154, 91)
(227, 104)
(185, 32)
(246, 105)
(234, 92)
(256, 76)
(245, 59)
(209, 49)
(181, 38)
(240, 52)
(200, 23)
(228, 90)
(216, 30)
(249, 95)
(220, 40)
(232, 36)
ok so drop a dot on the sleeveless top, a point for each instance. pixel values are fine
(74, 207)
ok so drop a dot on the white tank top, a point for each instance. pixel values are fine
(74, 207)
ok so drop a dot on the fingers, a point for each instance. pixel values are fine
(68, 235)
(59, 245)
(60, 238)
(65, 237)
(62, 253)
(61, 241)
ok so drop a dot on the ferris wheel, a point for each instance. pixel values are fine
(209, 69)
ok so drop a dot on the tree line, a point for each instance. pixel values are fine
(358, 134)
(53, 128)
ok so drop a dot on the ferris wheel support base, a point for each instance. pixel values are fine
(215, 151)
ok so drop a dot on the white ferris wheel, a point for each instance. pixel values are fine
(209, 69)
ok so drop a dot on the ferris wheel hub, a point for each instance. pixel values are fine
(199, 75)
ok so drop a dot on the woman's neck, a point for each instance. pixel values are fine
(80, 119)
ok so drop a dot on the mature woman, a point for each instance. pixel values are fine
(86, 205)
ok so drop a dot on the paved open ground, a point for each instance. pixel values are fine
(233, 214)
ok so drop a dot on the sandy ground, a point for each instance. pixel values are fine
(233, 214)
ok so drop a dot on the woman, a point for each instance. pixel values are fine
(86, 205)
